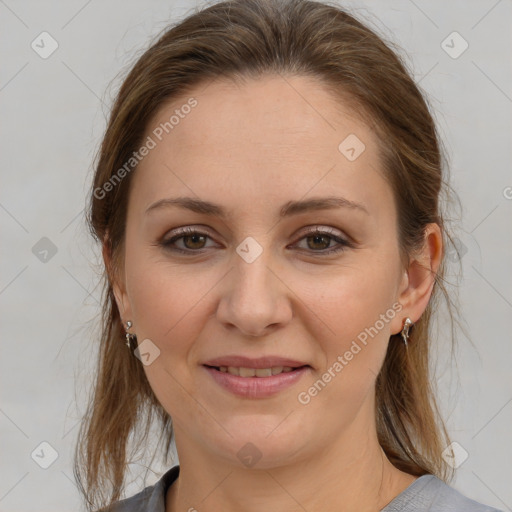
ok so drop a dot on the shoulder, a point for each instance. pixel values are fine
(150, 499)
(429, 493)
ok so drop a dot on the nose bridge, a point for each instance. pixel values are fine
(253, 277)
(254, 298)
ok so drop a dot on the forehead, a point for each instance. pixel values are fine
(271, 111)
(269, 139)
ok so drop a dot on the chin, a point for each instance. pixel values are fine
(260, 443)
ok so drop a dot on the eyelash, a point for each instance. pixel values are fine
(188, 231)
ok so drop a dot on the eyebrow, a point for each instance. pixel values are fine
(288, 209)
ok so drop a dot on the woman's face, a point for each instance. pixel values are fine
(255, 281)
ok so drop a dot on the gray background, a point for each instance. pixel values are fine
(53, 115)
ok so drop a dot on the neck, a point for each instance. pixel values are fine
(344, 477)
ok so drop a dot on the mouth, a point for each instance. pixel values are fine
(256, 378)
(245, 372)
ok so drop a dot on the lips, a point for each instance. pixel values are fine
(254, 387)
(259, 377)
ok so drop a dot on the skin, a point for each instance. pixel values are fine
(251, 148)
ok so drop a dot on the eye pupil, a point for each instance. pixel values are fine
(195, 239)
(322, 239)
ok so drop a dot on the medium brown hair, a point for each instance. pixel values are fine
(242, 39)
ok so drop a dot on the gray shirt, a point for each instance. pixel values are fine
(426, 493)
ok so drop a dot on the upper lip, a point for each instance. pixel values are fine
(258, 362)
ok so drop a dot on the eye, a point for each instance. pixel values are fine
(320, 240)
(323, 241)
(192, 240)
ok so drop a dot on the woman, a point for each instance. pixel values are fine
(267, 200)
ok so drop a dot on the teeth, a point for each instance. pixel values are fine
(263, 372)
(246, 372)
(255, 372)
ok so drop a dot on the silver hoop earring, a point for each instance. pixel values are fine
(405, 330)
(130, 337)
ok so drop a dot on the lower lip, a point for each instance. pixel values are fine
(256, 387)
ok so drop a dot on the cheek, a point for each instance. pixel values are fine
(167, 303)
(357, 308)
(352, 302)
(169, 307)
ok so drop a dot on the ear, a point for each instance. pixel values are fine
(419, 278)
(117, 280)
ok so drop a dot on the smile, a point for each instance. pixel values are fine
(255, 372)
(256, 382)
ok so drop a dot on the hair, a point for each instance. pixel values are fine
(240, 39)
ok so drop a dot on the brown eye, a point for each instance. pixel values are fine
(187, 241)
(196, 241)
(318, 242)
(324, 241)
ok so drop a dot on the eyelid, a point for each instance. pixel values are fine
(321, 229)
(193, 229)
(199, 229)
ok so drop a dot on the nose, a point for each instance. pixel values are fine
(254, 301)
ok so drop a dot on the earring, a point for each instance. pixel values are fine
(129, 337)
(405, 331)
